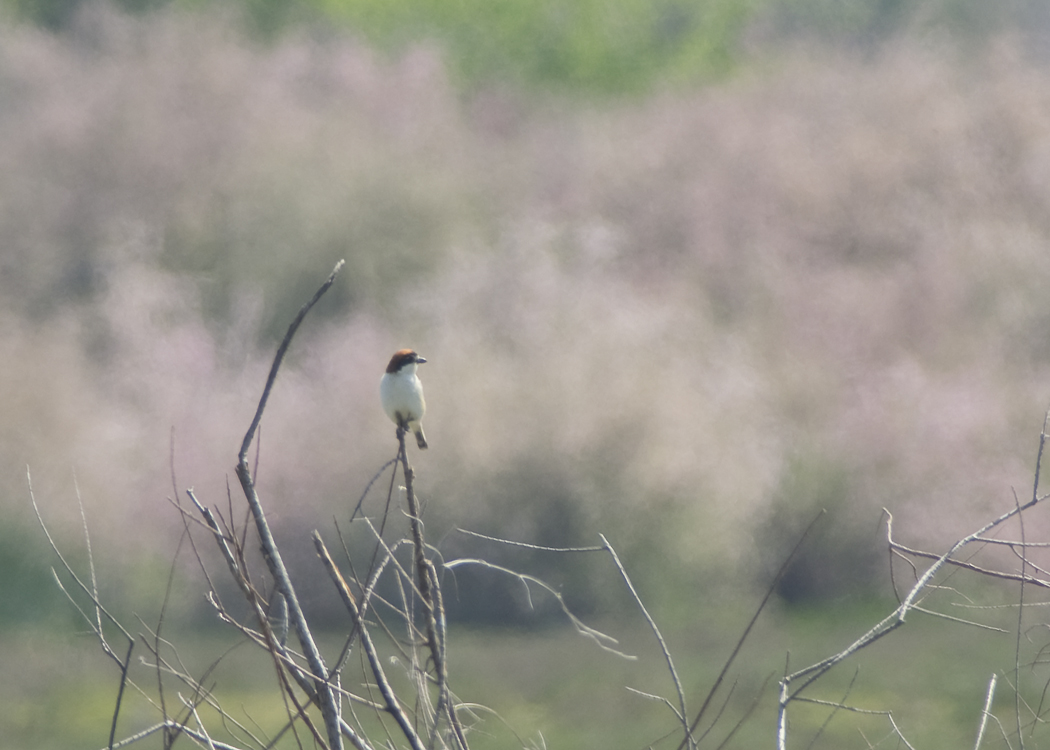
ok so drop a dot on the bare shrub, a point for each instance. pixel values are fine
(334, 699)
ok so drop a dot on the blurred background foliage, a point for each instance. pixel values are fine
(685, 273)
(588, 46)
(820, 226)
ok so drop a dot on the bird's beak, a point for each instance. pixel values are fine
(419, 359)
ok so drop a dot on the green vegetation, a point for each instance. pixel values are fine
(579, 45)
(582, 45)
(562, 686)
(586, 46)
(28, 594)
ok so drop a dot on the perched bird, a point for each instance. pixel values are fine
(402, 393)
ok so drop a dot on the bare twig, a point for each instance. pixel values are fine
(326, 698)
(659, 638)
(91, 592)
(120, 694)
(986, 712)
(751, 624)
(810, 674)
(600, 638)
(526, 545)
(1020, 619)
(426, 581)
(897, 547)
(393, 706)
(280, 356)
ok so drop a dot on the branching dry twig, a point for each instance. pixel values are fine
(272, 555)
(659, 638)
(809, 675)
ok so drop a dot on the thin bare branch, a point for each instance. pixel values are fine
(393, 705)
(600, 638)
(1020, 606)
(526, 545)
(900, 548)
(69, 569)
(959, 620)
(285, 343)
(751, 624)
(986, 712)
(683, 712)
(120, 694)
(271, 554)
(657, 699)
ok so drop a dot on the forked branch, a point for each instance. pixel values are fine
(807, 676)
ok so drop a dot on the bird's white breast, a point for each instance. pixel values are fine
(402, 393)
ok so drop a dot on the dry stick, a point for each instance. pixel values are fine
(120, 694)
(401, 575)
(718, 714)
(393, 707)
(836, 707)
(386, 510)
(1013, 542)
(897, 618)
(126, 665)
(157, 632)
(1024, 563)
(746, 715)
(223, 544)
(1024, 551)
(379, 534)
(169, 724)
(659, 638)
(903, 550)
(234, 561)
(186, 518)
(168, 739)
(196, 685)
(368, 587)
(280, 356)
(1039, 457)
(751, 624)
(442, 626)
(426, 584)
(1020, 623)
(92, 593)
(986, 712)
(90, 554)
(238, 571)
(527, 545)
(600, 639)
(325, 696)
(885, 626)
(302, 677)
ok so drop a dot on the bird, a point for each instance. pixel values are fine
(402, 393)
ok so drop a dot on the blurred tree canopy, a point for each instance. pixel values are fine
(840, 247)
(594, 46)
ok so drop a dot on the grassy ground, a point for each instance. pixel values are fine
(556, 688)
